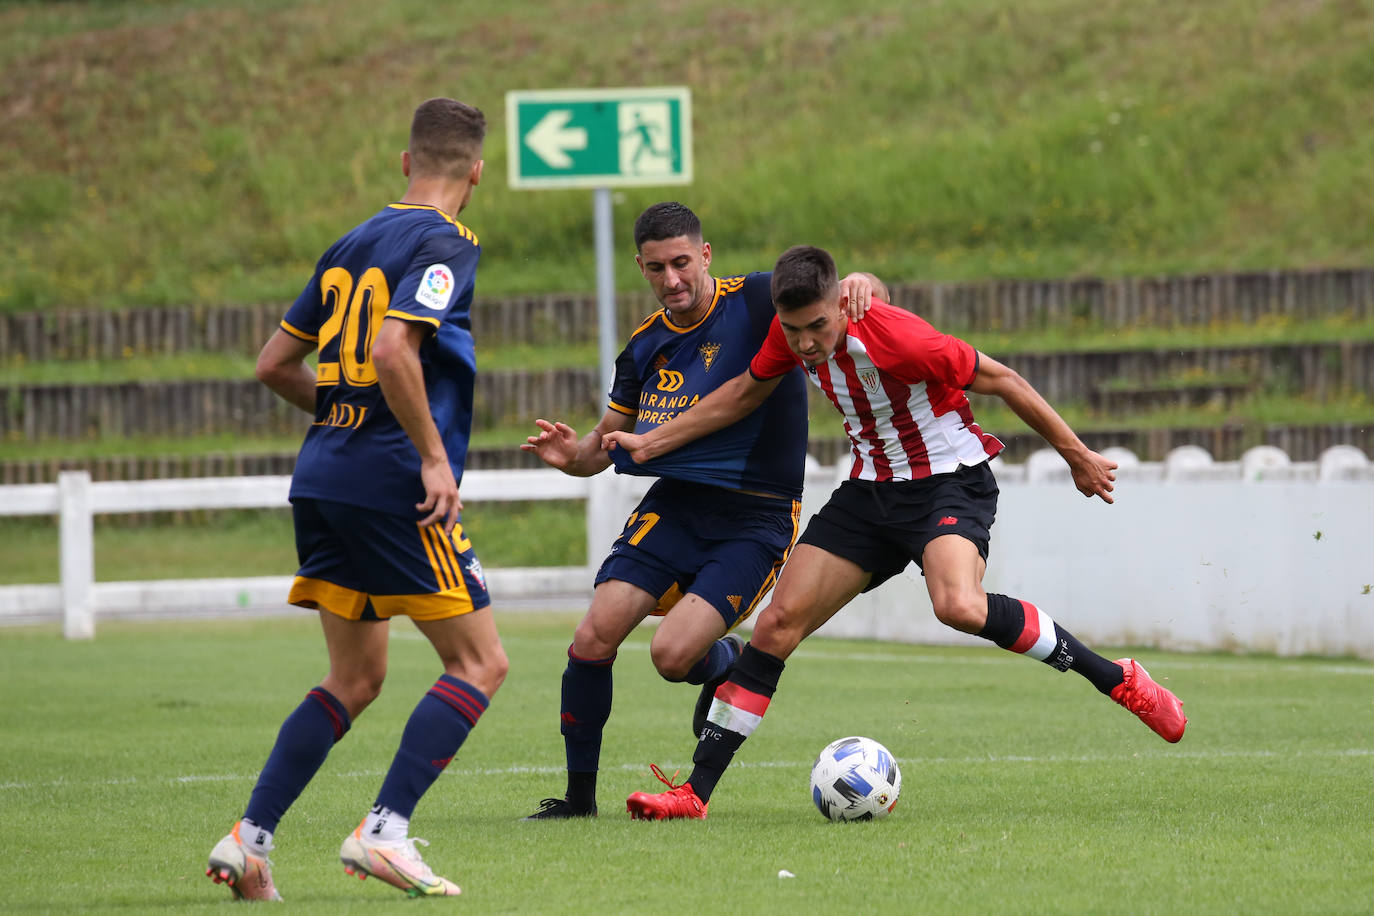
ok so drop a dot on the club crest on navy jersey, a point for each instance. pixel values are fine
(708, 353)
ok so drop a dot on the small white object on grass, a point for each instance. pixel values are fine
(784, 873)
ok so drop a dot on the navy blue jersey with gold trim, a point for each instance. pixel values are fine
(664, 369)
(409, 262)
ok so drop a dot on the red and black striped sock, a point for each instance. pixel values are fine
(1021, 627)
(737, 710)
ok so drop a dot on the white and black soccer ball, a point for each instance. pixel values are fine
(855, 779)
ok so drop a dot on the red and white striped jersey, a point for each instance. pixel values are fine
(899, 384)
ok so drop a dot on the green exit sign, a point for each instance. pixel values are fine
(587, 138)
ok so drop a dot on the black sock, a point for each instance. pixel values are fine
(582, 791)
(1021, 627)
(745, 697)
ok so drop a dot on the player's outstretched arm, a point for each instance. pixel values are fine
(732, 401)
(558, 445)
(1093, 475)
(396, 356)
(281, 367)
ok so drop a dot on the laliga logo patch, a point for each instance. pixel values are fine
(436, 287)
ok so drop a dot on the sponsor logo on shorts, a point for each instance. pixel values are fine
(948, 520)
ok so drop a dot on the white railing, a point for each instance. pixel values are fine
(76, 501)
(1261, 554)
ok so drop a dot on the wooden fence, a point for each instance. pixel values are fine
(204, 407)
(1004, 305)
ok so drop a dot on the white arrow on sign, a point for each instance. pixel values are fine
(551, 138)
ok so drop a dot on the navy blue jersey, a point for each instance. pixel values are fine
(410, 262)
(664, 369)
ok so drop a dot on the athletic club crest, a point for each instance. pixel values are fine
(708, 354)
(869, 378)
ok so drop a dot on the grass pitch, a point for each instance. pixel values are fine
(124, 759)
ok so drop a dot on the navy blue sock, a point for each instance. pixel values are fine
(585, 708)
(436, 729)
(303, 743)
(718, 660)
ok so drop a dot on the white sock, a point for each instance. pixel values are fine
(258, 840)
(386, 825)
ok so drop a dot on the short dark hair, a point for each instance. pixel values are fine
(446, 137)
(667, 220)
(803, 275)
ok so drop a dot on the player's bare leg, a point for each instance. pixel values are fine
(691, 644)
(954, 579)
(470, 648)
(357, 660)
(814, 585)
(954, 573)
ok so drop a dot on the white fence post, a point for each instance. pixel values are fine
(77, 528)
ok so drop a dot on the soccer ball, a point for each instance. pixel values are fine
(855, 779)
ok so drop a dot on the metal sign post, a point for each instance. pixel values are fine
(600, 139)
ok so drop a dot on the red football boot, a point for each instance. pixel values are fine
(677, 803)
(1156, 706)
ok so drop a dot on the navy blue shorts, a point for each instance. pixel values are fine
(723, 546)
(366, 565)
(884, 525)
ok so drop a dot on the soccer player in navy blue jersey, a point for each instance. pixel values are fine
(376, 505)
(708, 539)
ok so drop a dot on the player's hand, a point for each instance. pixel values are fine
(639, 449)
(441, 504)
(556, 444)
(1094, 475)
(856, 294)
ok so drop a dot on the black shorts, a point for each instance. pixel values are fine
(884, 525)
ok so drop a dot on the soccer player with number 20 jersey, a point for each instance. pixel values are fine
(919, 488)
(375, 503)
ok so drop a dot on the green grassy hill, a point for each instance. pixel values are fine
(171, 152)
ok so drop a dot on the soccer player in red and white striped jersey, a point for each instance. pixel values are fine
(919, 488)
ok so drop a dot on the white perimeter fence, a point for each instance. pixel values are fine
(1260, 554)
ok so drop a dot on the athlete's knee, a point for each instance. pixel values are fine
(964, 610)
(356, 689)
(486, 671)
(673, 661)
(780, 629)
(591, 640)
(497, 667)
